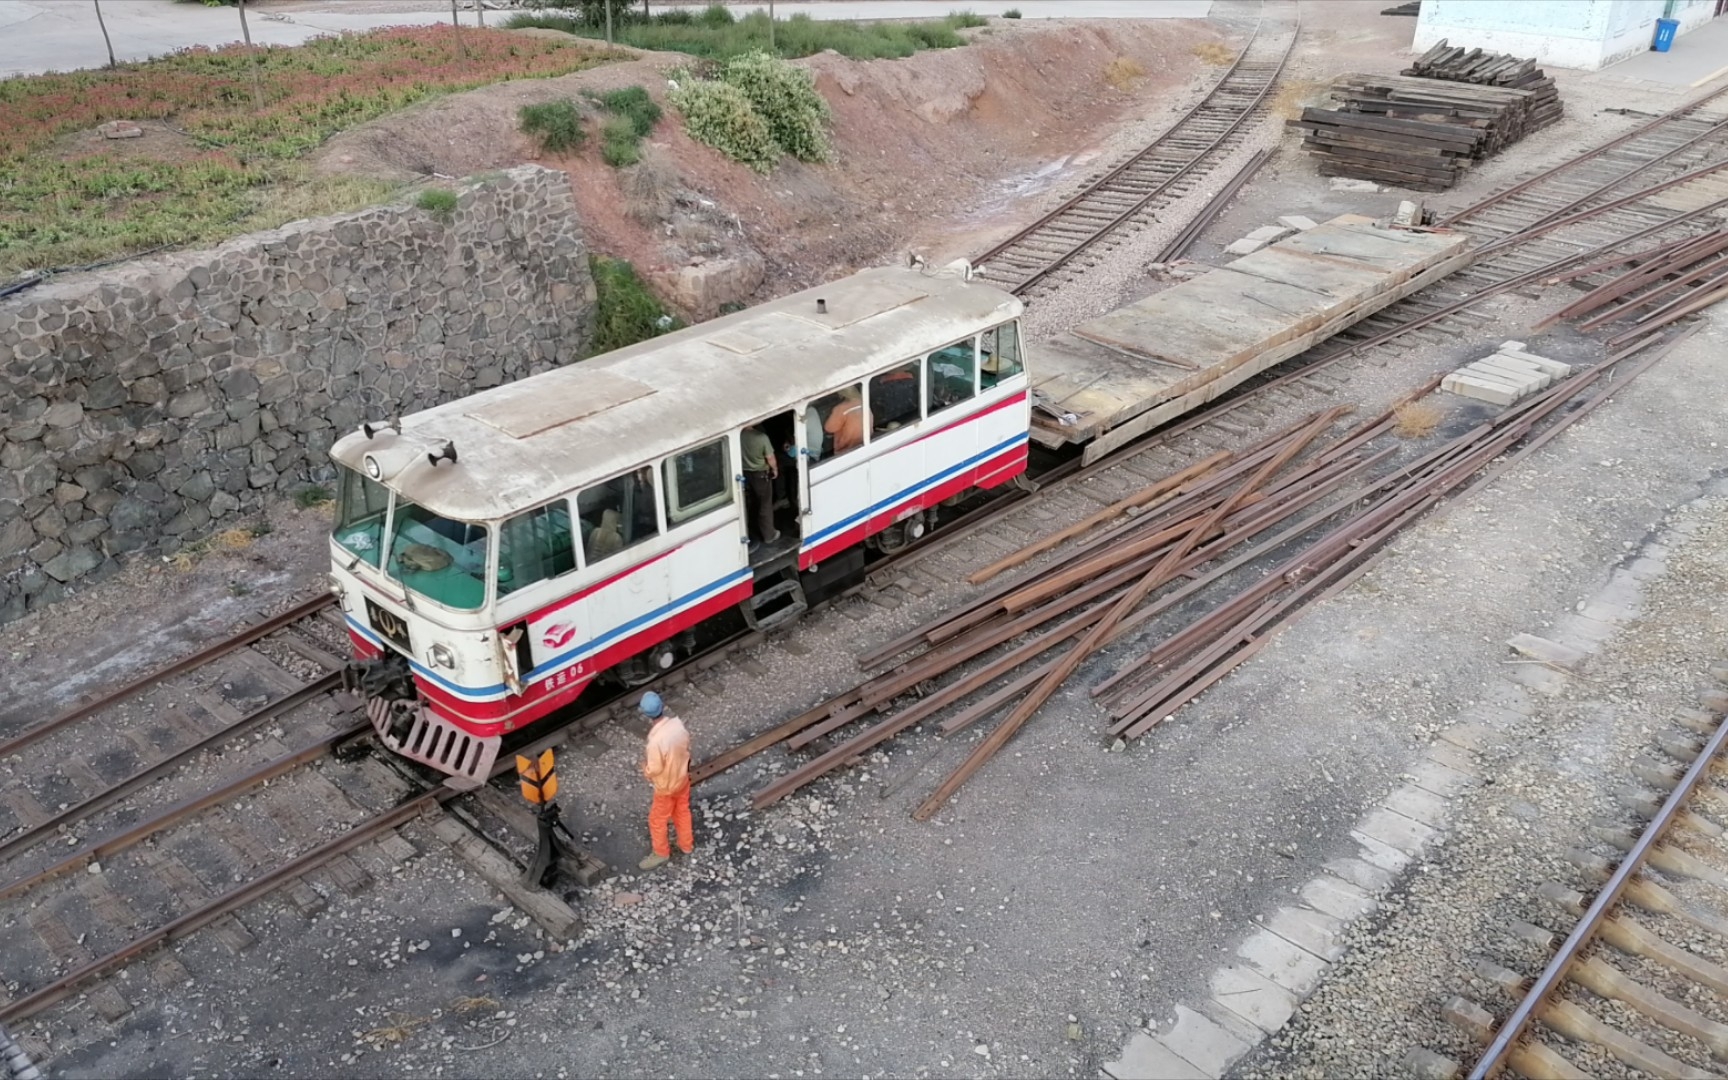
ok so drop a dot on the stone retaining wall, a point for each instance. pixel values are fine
(148, 405)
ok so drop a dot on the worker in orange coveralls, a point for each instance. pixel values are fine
(668, 768)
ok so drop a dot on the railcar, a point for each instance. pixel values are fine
(495, 555)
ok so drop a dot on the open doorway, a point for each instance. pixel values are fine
(772, 489)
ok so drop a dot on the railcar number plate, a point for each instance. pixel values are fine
(391, 626)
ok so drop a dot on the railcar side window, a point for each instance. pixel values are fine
(953, 375)
(534, 547)
(894, 399)
(698, 481)
(1001, 354)
(842, 416)
(618, 514)
(360, 516)
(441, 559)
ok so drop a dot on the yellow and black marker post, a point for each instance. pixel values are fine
(539, 777)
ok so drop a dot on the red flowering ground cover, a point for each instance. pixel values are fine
(216, 165)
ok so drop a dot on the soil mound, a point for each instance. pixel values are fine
(921, 145)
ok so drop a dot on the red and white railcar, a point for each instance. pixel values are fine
(496, 554)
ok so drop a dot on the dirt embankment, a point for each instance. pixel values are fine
(941, 144)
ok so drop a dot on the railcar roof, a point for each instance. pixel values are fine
(520, 443)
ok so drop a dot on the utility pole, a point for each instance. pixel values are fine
(771, 27)
(257, 80)
(456, 28)
(109, 41)
(608, 5)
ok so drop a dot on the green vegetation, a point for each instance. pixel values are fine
(439, 202)
(210, 164)
(312, 496)
(759, 108)
(555, 125)
(627, 312)
(1011, 13)
(716, 35)
(634, 116)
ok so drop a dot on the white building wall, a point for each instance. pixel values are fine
(1583, 34)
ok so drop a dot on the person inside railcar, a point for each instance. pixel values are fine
(846, 421)
(761, 469)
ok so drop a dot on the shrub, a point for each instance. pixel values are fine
(965, 20)
(633, 102)
(555, 125)
(785, 97)
(1011, 13)
(626, 311)
(717, 15)
(1214, 53)
(1123, 73)
(719, 114)
(438, 202)
(618, 143)
(1414, 419)
(716, 34)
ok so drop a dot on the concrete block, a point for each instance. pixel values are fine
(1538, 677)
(1520, 372)
(1523, 381)
(1370, 878)
(1540, 648)
(1297, 222)
(1312, 931)
(1244, 246)
(1145, 1058)
(1433, 776)
(1454, 757)
(1253, 997)
(1338, 898)
(1469, 386)
(1467, 735)
(1205, 1044)
(1349, 183)
(1516, 345)
(1418, 804)
(1380, 853)
(1409, 213)
(1290, 966)
(1395, 830)
(1552, 367)
(1270, 234)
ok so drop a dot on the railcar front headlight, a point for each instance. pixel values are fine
(441, 656)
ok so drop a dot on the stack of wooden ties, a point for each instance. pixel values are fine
(1421, 131)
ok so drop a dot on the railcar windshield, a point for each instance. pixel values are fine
(440, 559)
(360, 506)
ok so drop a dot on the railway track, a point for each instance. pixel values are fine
(1067, 239)
(1621, 986)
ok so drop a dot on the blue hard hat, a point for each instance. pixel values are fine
(651, 705)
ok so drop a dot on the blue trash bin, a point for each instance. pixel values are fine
(1665, 31)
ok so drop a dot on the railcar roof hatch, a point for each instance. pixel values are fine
(543, 407)
(738, 341)
(862, 302)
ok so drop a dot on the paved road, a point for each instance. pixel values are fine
(62, 35)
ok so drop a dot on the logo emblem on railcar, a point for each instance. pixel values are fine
(391, 626)
(558, 635)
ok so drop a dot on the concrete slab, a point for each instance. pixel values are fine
(1309, 930)
(1516, 351)
(1366, 876)
(1540, 648)
(1207, 1045)
(1442, 781)
(1394, 829)
(1138, 366)
(1518, 369)
(1297, 222)
(1696, 58)
(1244, 246)
(1338, 898)
(1253, 997)
(1479, 388)
(1290, 966)
(1269, 233)
(1419, 804)
(1380, 853)
(1145, 1058)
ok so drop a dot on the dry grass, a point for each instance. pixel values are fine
(1124, 73)
(1215, 53)
(396, 1032)
(1415, 419)
(228, 540)
(1297, 94)
(474, 1005)
(650, 187)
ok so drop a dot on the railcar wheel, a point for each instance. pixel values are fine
(900, 534)
(639, 670)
